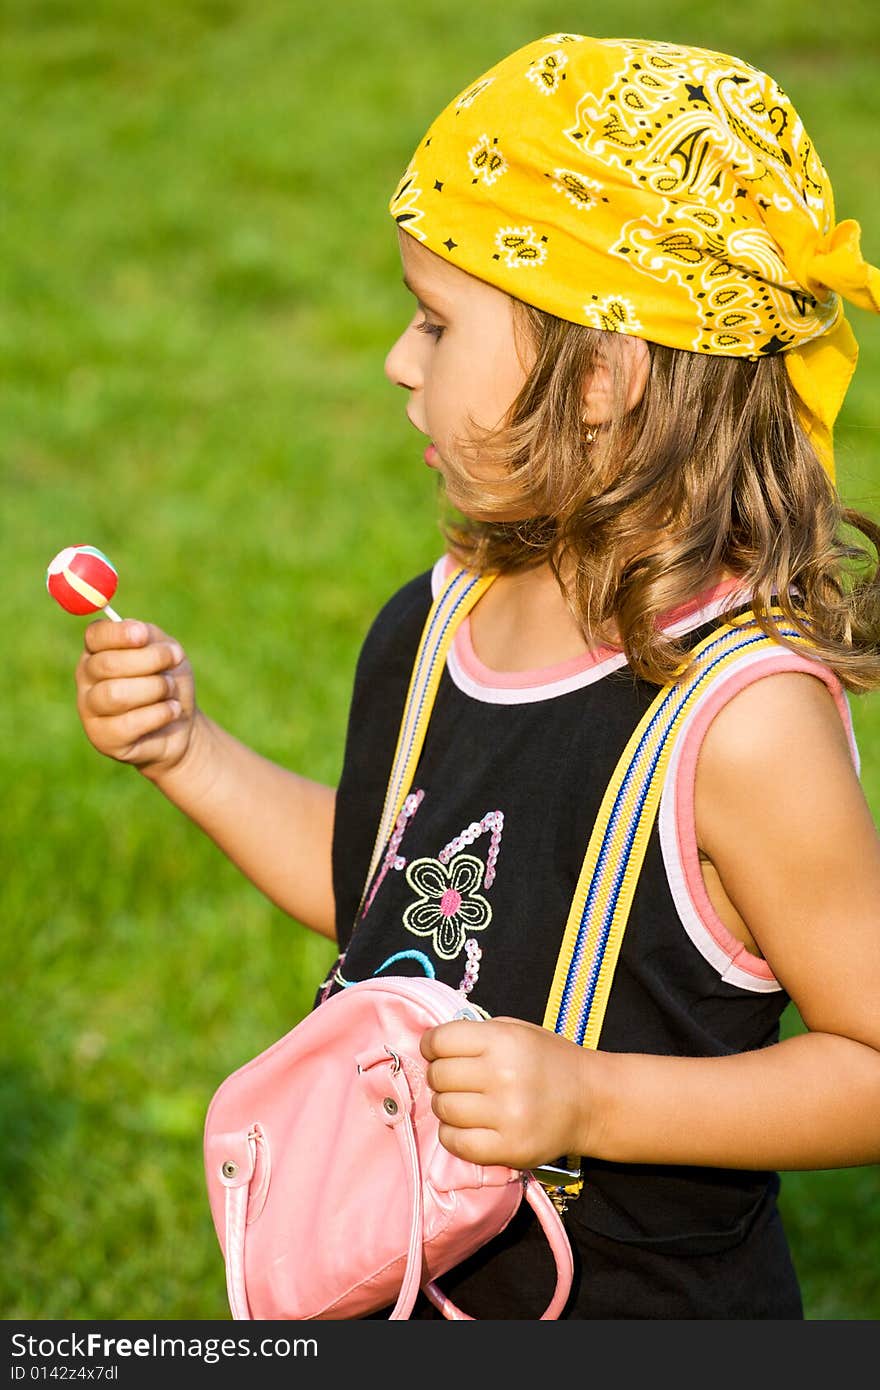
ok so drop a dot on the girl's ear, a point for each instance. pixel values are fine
(599, 393)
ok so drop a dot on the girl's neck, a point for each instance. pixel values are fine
(523, 623)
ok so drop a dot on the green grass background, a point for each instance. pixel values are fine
(200, 283)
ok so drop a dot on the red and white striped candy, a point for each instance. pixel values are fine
(81, 579)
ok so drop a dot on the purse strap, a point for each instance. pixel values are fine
(546, 1211)
(603, 896)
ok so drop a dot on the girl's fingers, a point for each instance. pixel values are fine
(118, 696)
(473, 1145)
(103, 634)
(461, 1109)
(135, 724)
(139, 661)
(461, 1038)
(456, 1074)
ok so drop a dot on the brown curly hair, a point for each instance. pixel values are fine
(711, 470)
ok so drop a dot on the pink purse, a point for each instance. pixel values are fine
(331, 1194)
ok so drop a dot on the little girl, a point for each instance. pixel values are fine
(628, 355)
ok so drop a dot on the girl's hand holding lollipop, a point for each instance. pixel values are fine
(135, 687)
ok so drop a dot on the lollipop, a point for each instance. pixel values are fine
(83, 580)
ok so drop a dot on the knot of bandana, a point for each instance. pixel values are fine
(834, 264)
(667, 192)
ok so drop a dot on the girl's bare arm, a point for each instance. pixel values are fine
(136, 700)
(782, 816)
(275, 825)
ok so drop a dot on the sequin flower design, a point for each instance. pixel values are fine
(450, 907)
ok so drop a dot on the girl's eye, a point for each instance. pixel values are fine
(433, 328)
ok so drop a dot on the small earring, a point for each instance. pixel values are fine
(590, 432)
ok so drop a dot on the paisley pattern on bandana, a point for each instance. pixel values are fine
(612, 315)
(487, 162)
(648, 188)
(695, 160)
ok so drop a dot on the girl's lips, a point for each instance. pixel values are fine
(431, 456)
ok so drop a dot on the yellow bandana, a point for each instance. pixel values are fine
(670, 193)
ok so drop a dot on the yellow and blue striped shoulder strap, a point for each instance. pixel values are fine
(454, 601)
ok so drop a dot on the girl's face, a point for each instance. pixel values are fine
(457, 357)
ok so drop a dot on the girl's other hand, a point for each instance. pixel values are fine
(136, 695)
(509, 1092)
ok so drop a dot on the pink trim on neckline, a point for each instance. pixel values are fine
(486, 676)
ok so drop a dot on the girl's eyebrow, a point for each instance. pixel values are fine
(421, 303)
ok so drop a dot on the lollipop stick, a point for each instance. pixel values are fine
(111, 613)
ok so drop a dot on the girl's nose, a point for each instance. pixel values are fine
(400, 368)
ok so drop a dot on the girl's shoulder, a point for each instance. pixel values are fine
(777, 714)
(785, 713)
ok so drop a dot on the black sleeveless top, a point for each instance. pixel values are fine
(489, 849)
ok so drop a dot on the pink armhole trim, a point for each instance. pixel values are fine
(685, 840)
(486, 676)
